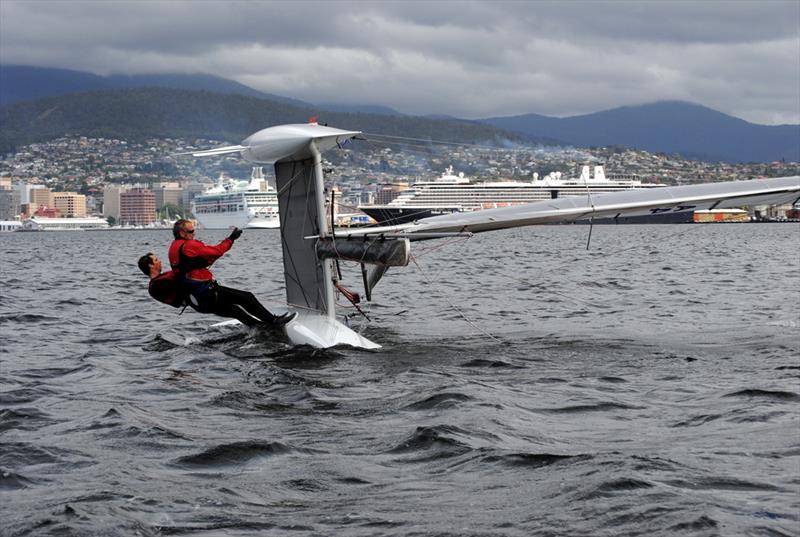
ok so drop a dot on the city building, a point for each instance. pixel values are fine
(111, 200)
(40, 197)
(137, 207)
(24, 189)
(9, 204)
(69, 204)
(168, 193)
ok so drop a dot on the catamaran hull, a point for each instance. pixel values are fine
(316, 330)
(322, 332)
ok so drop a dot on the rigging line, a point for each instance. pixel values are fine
(284, 187)
(420, 150)
(445, 142)
(400, 144)
(458, 252)
(448, 242)
(456, 308)
(404, 147)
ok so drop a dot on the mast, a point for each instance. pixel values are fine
(322, 222)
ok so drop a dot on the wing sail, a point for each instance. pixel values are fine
(610, 205)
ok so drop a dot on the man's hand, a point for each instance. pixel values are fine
(235, 234)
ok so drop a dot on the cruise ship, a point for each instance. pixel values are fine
(242, 204)
(455, 193)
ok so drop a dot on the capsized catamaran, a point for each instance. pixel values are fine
(310, 247)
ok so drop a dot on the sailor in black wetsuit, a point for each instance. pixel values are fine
(191, 259)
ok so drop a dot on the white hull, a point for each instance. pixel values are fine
(259, 223)
(316, 330)
(223, 221)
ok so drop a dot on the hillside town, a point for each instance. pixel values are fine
(101, 182)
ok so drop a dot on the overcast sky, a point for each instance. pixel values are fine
(467, 59)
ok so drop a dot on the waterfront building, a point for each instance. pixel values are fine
(9, 204)
(40, 197)
(387, 192)
(10, 225)
(170, 193)
(70, 204)
(63, 224)
(137, 207)
(111, 200)
(25, 191)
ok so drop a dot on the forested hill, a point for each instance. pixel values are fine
(136, 114)
(689, 129)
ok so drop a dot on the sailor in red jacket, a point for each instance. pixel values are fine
(192, 258)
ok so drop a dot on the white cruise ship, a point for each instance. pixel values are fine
(242, 204)
(455, 193)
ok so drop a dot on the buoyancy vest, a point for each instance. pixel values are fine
(168, 287)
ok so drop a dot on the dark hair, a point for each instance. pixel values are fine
(178, 226)
(144, 263)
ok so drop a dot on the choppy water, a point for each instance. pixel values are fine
(649, 386)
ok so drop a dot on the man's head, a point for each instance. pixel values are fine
(183, 229)
(150, 265)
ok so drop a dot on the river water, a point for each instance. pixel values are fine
(526, 386)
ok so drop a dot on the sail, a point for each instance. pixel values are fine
(609, 205)
(296, 151)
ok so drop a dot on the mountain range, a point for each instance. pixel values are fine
(691, 130)
(141, 113)
(222, 108)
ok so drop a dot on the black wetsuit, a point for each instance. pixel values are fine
(230, 302)
(192, 259)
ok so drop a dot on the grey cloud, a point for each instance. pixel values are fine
(470, 59)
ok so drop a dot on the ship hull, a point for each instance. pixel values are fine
(385, 215)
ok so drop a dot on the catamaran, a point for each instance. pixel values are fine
(311, 246)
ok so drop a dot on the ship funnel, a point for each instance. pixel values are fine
(535, 176)
(256, 178)
(599, 174)
(257, 173)
(585, 173)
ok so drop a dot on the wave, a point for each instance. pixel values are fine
(439, 400)
(483, 362)
(434, 442)
(604, 406)
(10, 480)
(777, 395)
(28, 318)
(532, 460)
(236, 453)
(23, 419)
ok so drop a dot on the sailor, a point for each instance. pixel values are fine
(191, 258)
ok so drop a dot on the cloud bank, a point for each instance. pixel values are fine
(467, 59)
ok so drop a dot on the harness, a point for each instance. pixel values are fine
(201, 294)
